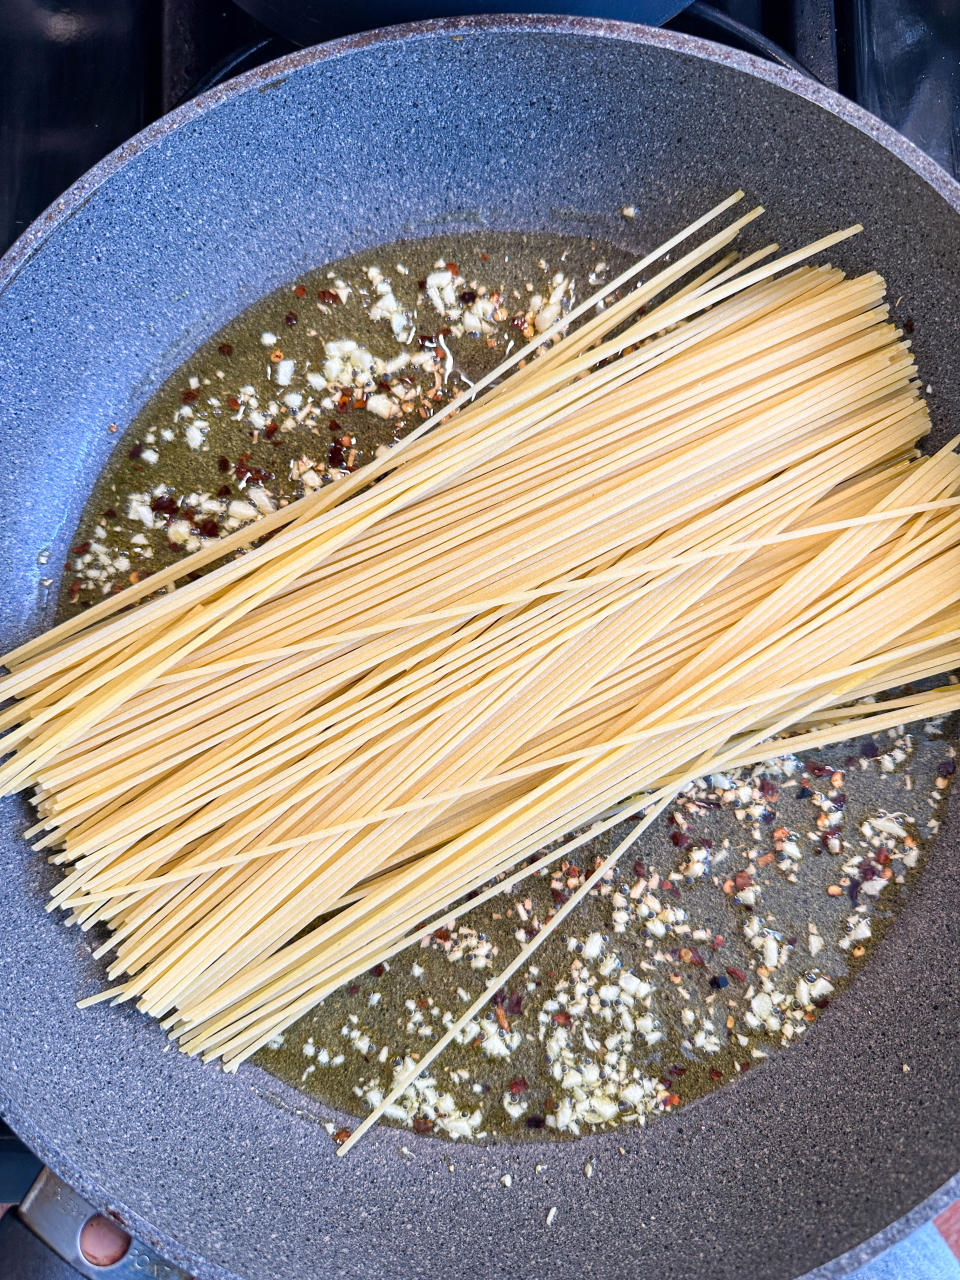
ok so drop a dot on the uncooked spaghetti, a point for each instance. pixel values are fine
(268, 779)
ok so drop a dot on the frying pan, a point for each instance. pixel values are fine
(538, 123)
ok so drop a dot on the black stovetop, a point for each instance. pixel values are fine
(79, 77)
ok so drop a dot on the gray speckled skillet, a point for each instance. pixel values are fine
(548, 123)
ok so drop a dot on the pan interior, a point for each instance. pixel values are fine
(760, 872)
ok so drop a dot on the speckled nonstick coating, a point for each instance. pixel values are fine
(534, 123)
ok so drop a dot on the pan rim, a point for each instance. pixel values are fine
(32, 240)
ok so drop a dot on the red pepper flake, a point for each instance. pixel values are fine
(378, 971)
(329, 296)
(742, 880)
(136, 451)
(453, 268)
(300, 290)
(421, 285)
(484, 257)
(882, 856)
(290, 319)
(233, 403)
(81, 548)
(208, 529)
(737, 974)
(518, 1086)
(514, 1004)
(341, 1136)
(468, 297)
(673, 1100)
(223, 464)
(344, 402)
(270, 430)
(336, 456)
(517, 322)
(224, 491)
(816, 770)
(164, 505)
(562, 1018)
(188, 396)
(421, 1124)
(501, 1017)
(715, 1074)
(244, 471)
(225, 348)
(442, 935)
(359, 402)
(353, 989)
(112, 427)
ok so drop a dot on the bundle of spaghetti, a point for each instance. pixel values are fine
(689, 526)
